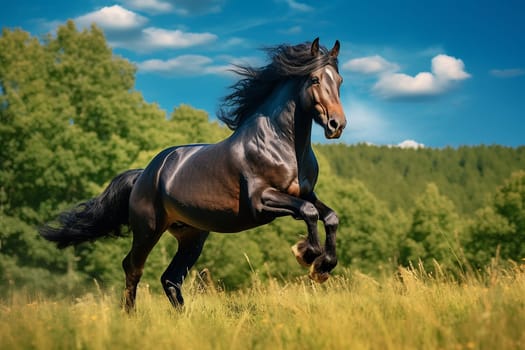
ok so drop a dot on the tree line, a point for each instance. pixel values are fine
(70, 120)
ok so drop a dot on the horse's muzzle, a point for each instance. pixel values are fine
(334, 128)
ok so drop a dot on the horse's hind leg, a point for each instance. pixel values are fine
(191, 242)
(144, 239)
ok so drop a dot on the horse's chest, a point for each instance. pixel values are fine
(300, 185)
(287, 179)
(273, 164)
(291, 179)
(294, 189)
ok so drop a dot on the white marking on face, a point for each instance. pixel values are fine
(328, 72)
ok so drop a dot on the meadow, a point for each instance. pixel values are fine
(61, 146)
(410, 310)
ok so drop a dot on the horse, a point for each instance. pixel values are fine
(264, 170)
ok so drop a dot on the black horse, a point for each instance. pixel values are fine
(264, 170)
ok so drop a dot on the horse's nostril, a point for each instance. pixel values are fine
(333, 124)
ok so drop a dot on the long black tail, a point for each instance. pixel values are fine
(98, 217)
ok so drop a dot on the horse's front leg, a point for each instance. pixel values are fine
(276, 203)
(325, 263)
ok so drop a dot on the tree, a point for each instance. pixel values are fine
(192, 126)
(69, 122)
(368, 236)
(500, 227)
(434, 232)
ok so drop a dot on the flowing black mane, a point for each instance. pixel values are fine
(286, 61)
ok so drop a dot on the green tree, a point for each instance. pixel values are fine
(369, 236)
(434, 232)
(192, 126)
(500, 227)
(69, 122)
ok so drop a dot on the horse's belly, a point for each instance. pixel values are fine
(224, 221)
(209, 205)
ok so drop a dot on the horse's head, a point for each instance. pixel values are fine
(321, 94)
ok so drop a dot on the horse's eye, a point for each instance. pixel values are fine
(315, 80)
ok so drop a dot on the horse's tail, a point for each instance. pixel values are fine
(98, 217)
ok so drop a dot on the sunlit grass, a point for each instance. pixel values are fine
(412, 310)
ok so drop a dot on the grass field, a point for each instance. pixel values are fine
(411, 311)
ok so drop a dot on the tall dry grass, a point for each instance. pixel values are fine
(412, 310)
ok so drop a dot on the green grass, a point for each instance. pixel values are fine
(411, 311)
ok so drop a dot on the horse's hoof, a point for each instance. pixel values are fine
(298, 252)
(321, 267)
(317, 276)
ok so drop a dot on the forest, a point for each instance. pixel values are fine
(71, 119)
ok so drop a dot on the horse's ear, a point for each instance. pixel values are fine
(335, 50)
(315, 47)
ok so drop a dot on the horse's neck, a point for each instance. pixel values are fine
(279, 124)
(303, 135)
(291, 124)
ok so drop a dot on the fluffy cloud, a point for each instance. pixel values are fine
(394, 85)
(445, 71)
(449, 68)
(184, 65)
(410, 144)
(112, 18)
(402, 85)
(370, 65)
(126, 29)
(157, 38)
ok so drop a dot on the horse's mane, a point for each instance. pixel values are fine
(286, 61)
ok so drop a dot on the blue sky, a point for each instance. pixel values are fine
(442, 73)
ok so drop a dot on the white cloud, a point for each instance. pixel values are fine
(184, 65)
(154, 39)
(410, 144)
(507, 73)
(370, 65)
(157, 38)
(449, 68)
(402, 85)
(112, 18)
(126, 29)
(445, 71)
